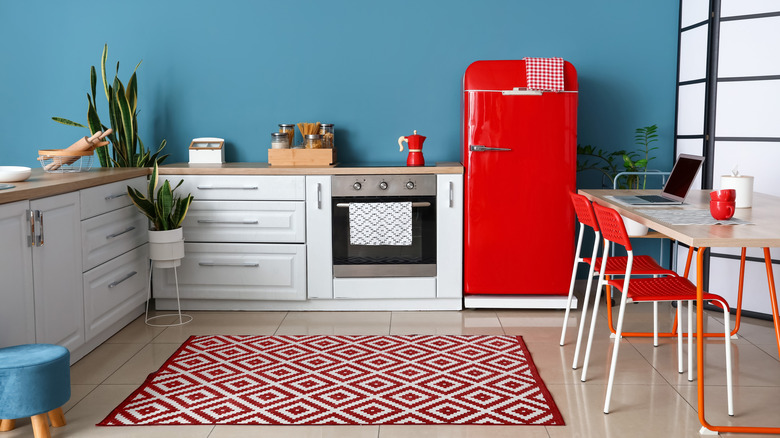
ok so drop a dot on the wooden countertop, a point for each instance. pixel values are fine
(41, 184)
(266, 169)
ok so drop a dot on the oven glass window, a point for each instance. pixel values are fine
(422, 251)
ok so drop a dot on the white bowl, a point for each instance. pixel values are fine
(14, 173)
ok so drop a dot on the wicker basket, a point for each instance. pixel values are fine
(64, 161)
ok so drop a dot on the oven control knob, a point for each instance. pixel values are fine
(357, 186)
(383, 185)
(410, 185)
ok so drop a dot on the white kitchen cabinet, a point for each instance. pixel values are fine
(319, 244)
(244, 240)
(111, 234)
(17, 305)
(57, 268)
(449, 236)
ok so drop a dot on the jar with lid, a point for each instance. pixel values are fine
(327, 133)
(288, 129)
(312, 141)
(280, 140)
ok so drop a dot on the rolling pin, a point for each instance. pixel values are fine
(82, 145)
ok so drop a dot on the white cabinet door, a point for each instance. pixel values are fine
(108, 235)
(17, 314)
(244, 222)
(319, 253)
(57, 272)
(449, 236)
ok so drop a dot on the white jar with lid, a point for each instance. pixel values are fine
(280, 140)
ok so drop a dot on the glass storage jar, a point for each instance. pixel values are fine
(288, 129)
(327, 133)
(313, 141)
(280, 140)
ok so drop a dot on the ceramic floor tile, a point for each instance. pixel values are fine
(753, 406)
(77, 393)
(99, 403)
(472, 431)
(145, 362)
(636, 411)
(446, 323)
(295, 431)
(335, 323)
(95, 367)
(135, 332)
(223, 323)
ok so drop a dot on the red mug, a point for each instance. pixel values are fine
(724, 195)
(722, 210)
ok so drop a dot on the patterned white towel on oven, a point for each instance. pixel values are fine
(380, 223)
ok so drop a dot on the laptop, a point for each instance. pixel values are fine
(677, 186)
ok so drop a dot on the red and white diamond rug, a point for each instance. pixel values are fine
(343, 380)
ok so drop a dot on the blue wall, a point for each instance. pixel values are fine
(377, 70)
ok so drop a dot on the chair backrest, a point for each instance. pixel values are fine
(612, 226)
(584, 211)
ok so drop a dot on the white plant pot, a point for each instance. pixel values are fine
(166, 248)
(634, 228)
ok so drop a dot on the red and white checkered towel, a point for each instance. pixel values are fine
(544, 73)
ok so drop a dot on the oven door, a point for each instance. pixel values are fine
(415, 260)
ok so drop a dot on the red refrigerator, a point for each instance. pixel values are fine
(519, 158)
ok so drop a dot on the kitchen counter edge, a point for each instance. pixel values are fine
(266, 169)
(41, 184)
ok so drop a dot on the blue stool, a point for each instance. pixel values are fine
(34, 382)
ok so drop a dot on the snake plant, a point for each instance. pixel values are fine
(127, 149)
(166, 210)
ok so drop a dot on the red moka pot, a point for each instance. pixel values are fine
(415, 143)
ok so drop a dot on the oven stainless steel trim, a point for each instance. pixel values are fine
(394, 185)
(414, 204)
(364, 271)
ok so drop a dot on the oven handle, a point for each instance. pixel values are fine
(414, 204)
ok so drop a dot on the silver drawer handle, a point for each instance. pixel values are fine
(118, 195)
(227, 188)
(116, 283)
(111, 236)
(240, 265)
(212, 221)
(452, 194)
(414, 204)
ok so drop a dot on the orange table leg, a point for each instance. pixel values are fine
(700, 345)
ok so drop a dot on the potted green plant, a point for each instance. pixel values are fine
(127, 149)
(609, 163)
(166, 210)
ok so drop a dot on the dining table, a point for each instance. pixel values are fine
(754, 227)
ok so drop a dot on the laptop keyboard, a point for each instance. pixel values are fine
(653, 198)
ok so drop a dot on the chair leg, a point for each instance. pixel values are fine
(589, 344)
(655, 323)
(585, 301)
(40, 426)
(577, 261)
(729, 382)
(679, 341)
(690, 341)
(6, 425)
(57, 418)
(615, 349)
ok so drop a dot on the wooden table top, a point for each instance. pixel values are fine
(764, 230)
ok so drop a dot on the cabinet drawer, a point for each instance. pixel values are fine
(114, 289)
(236, 271)
(108, 197)
(241, 221)
(109, 235)
(240, 187)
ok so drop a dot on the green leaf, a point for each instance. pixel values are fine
(103, 71)
(67, 122)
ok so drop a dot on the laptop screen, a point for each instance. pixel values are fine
(682, 176)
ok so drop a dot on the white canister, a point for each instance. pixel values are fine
(744, 187)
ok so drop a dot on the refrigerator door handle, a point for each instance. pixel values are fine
(479, 148)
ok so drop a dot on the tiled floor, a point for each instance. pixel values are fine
(650, 398)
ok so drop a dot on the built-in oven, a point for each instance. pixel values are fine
(373, 204)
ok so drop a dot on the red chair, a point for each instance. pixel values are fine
(643, 265)
(647, 290)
